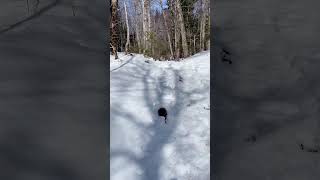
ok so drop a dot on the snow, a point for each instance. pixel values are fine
(53, 90)
(142, 146)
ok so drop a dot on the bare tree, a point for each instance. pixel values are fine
(128, 31)
(194, 44)
(160, 32)
(182, 29)
(204, 15)
(167, 29)
(146, 25)
(114, 33)
(176, 30)
(137, 23)
(209, 28)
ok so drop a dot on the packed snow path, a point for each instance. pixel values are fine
(142, 146)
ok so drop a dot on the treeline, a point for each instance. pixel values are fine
(160, 29)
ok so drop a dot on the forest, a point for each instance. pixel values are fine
(161, 29)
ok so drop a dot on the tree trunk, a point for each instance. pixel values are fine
(177, 42)
(154, 30)
(204, 8)
(167, 29)
(149, 28)
(143, 27)
(114, 35)
(138, 38)
(182, 30)
(209, 28)
(176, 33)
(146, 24)
(200, 35)
(128, 31)
(194, 44)
(137, 32)
(138, 23)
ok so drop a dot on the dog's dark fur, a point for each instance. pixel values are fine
(163, 112)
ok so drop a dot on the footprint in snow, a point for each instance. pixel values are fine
(308, 149)
(251, 138)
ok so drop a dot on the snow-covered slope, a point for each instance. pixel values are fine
(142, 146)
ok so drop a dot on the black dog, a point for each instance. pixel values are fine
(163, 112)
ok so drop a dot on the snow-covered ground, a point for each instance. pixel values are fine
(52, 87)
(142, 146)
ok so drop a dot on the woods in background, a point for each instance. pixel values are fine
(162, 29)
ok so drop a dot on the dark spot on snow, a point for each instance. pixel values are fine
(312, 150)
(226, 52)
(163, 112)
(206, 108)
(180, 79)
(147, 61)
(301, 146)
(226, 56)
(251, 138)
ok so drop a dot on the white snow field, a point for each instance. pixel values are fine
(142, 146)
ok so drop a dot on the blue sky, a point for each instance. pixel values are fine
(157, 6)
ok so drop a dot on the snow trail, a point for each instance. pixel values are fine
(143, 147)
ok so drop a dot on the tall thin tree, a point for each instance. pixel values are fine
(137, 23)
(203, 21)
(182, 30)
(128, 29)
(167, 29)
(176, 30)
(146, 25)
(209, 28)
(114, 33)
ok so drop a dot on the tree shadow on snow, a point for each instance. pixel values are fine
(154, 97)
